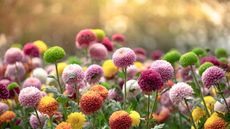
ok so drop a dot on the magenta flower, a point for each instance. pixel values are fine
(164, 68)
(73, 73)
(98, 51)
(34, 122)
(4, 93)
(29, 97)
(156, 55)
(150, 80)
(118, 38)
(84, 38)
(32, 81)
(13, 55)
(31, 50)
(140, 54)
(108, 44)
(124, 57)
(211, 59)
(212, 76)
(179, 92)
(93, 74)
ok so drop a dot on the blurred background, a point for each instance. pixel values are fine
(151, 24)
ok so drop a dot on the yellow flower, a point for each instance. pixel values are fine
(76, 120)
(139, 66)
(197, 113)
(210, 101)
(135, 116)
(109, 68)
(61, 67)
(41, 46)
(215, 122)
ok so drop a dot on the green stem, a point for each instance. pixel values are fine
(155, 102)
(227, 82)
(190, 113)
(58, 80)
(148, 112)
(125, 80)
(201, 94)
(51, 122)
(77, 93)
(38, 117)
(222, 95)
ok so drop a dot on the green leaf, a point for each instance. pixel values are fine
(121, 75)
(160, 126)
(62, 99)
(105, 84)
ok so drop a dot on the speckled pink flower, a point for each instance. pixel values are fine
(93, 74)
(13, 55)
(98, 51)
(164, 68)
(15, 71)
(31, 50)
(150, 80)
(32, 81)
(84, 38)
(3, 107)
(34, 122)
(124, 57)
(212, 76)
(179, 92)
(29, 96)
(73, 73)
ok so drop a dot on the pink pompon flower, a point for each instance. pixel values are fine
(156, 55)
(3, 107)
(108, 44)
(212, 76)
(140, 54)
(31, 50)
(93, 74)
(118, 38)
(124, 57)
(73, 73)
(36, 62)
(15, 71)
(211, 59)
(34, 122)
(29, 97)
(164, 68)
(32, 81)
(98, 51)
(179, 92)
(13, 55)
(150, 80)
(84, 38)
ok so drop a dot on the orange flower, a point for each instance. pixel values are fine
(100, 90)
(215, 122)
(90, 102)
(63, 125)
(120, 120)
(7, 116)
(48, 105)
(162, 116)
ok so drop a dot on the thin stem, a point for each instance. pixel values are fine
(155, 102)
(125, 94)
(190, 113)
(227, 82)
(38, 117)
(51, 122)
(201, 94)
(77, 93)
(222, 95)
(58, 80)
(148, 111)
(175, 80)
(17, 75)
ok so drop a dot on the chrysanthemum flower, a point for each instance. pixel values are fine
(31, 50)
(215, 122)
(210, 101)
(140, 54)
(90, 102)
(165, 100)
(179, 92)
(63, 125)
(76, 120)
(221, 52)
(40, 74)
(150, 80)
(29, 96)
(120, 120)
(211, 59)
(54, 54)
(132, 89)
(162, 116)
(15, 71)
(48, 105)
(7, 116)
(3, 107)
(34, 122)
(73, 73)
(61, 66)
(98, 51)
(198, 113)
(124, 57)
(84, 38)
(203, 67)
(100, 34)
(172, 56)
(132, 71)
(135, 116)
(212, 76)
(108, 44)
(31, 81)
(36, 62)
(109, 68)
(41, 46)
(93, 74)
(4, 92)
(156, 55)
(118, 38)
(221, 107)
(164, 68)
(186, 73)
(189, 58)
(101, 90)
(199, 52)
(13, 55)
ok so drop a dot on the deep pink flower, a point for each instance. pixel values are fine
(31, 50)
(84, 38)
(156, 55)
(118, 38)
(108, 44)
(211, 59)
